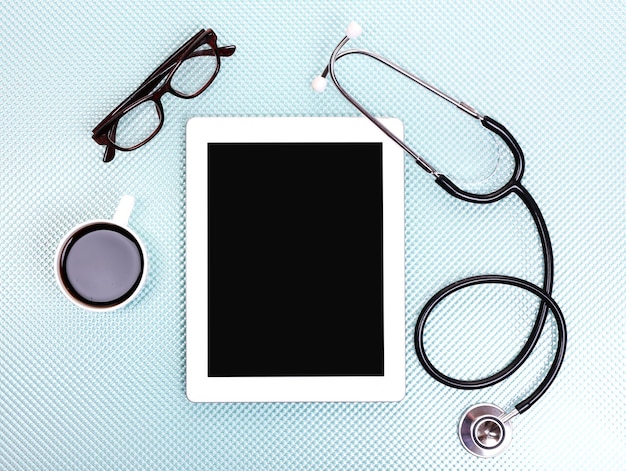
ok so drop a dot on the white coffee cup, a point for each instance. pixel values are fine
(102, 264)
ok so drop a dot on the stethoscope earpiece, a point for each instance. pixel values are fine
(485, 430)
(319, 84)
(354, 30)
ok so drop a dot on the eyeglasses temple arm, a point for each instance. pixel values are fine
(109, 152)
(225, 51)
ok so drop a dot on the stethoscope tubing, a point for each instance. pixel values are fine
(546, 299)
(512, 186)
(548, 263)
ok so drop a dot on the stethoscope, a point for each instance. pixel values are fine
(485, 429)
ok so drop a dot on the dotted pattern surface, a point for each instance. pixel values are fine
(80, 390)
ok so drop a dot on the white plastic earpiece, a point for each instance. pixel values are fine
(319, 84)
(354, 30)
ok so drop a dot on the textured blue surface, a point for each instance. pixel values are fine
(80, 390)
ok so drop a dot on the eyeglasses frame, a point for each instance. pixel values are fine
(104, 132)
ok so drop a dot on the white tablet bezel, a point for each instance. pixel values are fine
(202, 388)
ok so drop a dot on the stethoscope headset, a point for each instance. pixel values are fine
(485, 429)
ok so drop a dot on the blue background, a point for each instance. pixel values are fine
(80, 390)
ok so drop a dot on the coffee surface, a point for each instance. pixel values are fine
(102, 265)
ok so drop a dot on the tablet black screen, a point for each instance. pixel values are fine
(295, 259)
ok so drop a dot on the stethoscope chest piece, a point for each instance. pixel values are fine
(483, 433)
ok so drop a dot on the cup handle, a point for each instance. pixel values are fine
(124, 208)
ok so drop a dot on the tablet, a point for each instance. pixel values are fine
(294, 260)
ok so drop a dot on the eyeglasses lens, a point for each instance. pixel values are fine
(137, 125)
(195, 73)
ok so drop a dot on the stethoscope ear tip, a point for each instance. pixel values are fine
(319, 84)
(485, 430)
(354, 30)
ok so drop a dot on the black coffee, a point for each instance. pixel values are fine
(102, 265)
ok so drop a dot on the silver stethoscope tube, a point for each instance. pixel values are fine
(485, 429)
(330, 69)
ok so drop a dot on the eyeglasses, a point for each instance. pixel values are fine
(185, 74)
